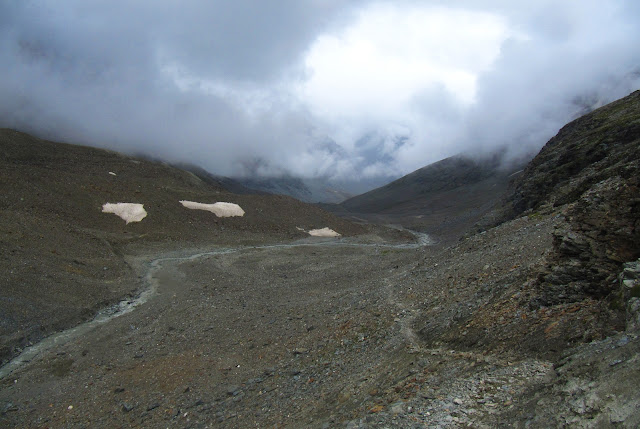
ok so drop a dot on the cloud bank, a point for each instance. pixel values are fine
(333, 88)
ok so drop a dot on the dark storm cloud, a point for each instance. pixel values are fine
(243, 40)
(103, 72)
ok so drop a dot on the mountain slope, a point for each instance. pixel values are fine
(594, 147)
(61, 258)
(444, 199)
(581, 192)
(226, 183)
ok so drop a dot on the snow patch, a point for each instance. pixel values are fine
(129, 212)
(219, 209)
(324, 232)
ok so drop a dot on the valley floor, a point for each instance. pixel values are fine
(325, 335)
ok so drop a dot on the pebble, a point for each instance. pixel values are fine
(623, 341)
(398, 408)
(9, 407)
(233, 390)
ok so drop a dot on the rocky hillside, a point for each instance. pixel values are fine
(590, 169)
(61, 258)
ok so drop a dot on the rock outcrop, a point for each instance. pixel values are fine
(590, 169)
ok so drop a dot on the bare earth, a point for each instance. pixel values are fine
(328, 333)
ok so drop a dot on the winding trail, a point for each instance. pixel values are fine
(130, 304)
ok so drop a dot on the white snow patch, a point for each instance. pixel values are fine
(112, 173)
(324, 232)
(129, 212)
(219, 209)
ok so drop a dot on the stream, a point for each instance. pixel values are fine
(128, 305)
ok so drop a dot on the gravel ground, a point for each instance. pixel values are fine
(319, 334)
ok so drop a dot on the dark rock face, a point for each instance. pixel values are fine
(593, 167)
(593, 148)
(601, 233)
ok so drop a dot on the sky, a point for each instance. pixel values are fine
(340, 89)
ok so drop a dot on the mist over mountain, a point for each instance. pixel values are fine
(344, 90)
(313, 190)
(445, 199)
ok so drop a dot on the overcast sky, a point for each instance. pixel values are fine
(338, 88)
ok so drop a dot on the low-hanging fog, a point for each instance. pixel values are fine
(341, 89)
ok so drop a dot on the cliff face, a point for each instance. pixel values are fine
(591, 168)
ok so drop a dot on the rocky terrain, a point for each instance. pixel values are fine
(592, 169)
(249, 322)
